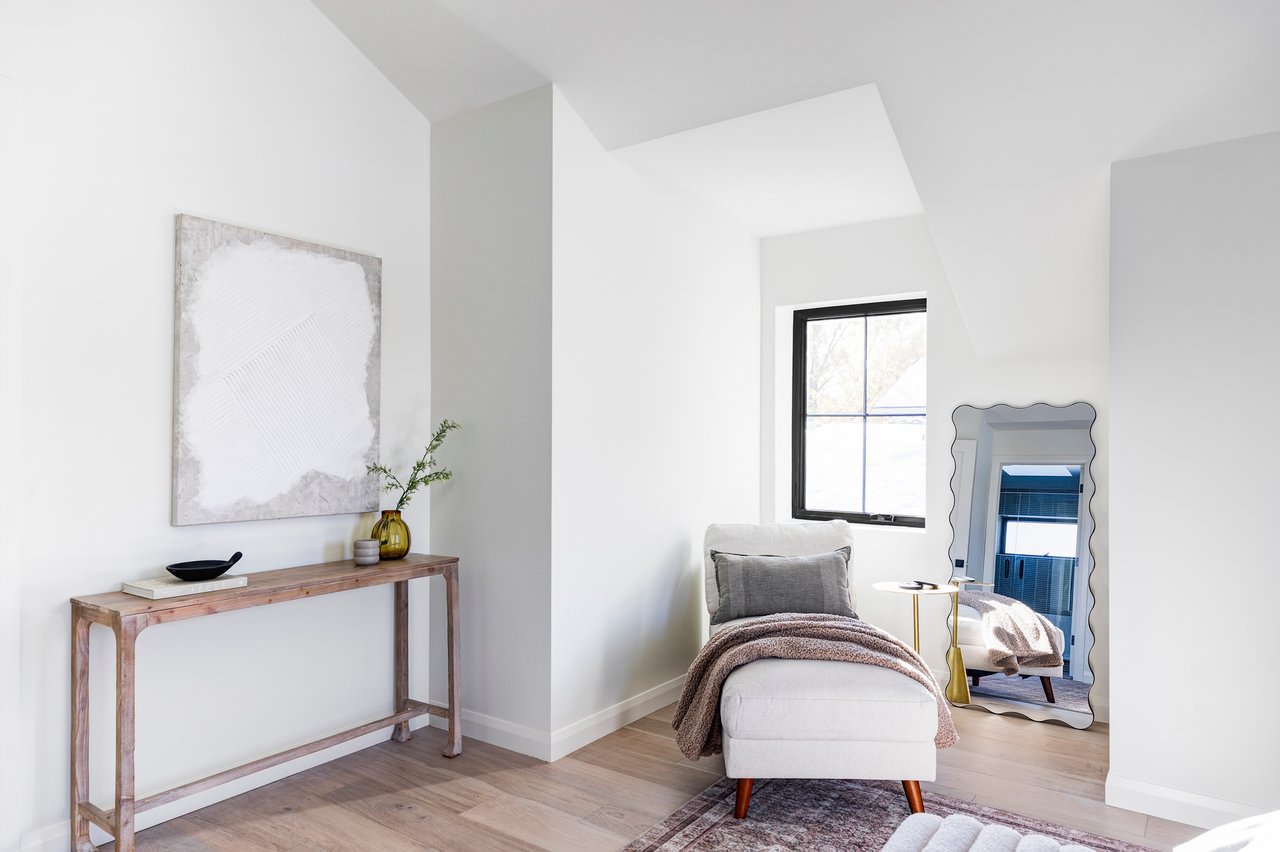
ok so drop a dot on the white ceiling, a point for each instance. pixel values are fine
(826, 161)
(1008, 113)
(441, 64)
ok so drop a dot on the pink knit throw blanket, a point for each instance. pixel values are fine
(790, 636)
(1014, 633)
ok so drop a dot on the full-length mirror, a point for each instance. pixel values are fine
(1021, 524)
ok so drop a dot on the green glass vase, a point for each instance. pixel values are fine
(392, 534)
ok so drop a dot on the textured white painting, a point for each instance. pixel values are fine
(276, 376)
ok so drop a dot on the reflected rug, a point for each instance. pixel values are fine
(1070, 694)
(827, 816)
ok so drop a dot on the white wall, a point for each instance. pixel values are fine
(595, 318)
(895, 258)
(251, 113)
(1195, 264)
(491, 372)
(655, 355)
(14, 757)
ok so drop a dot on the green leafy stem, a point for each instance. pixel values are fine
(425, 470)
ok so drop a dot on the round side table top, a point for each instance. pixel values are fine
(892, 586)
(968, 581)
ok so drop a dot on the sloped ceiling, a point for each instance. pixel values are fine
(1008, 113)
(827, 161)
(440, 63)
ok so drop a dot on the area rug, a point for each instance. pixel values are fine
(1070, 694)
(824, 816)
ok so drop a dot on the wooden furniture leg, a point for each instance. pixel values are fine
(743, 801)
(79, 731)
(1047, 685)
(128, 616)
(401, 733)
(127, 630)
(975, 678)
(915, 799)
(454, 747)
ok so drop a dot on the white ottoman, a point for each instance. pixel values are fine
(961, 833)
(824, 719)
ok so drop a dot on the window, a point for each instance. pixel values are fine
(858, 413)
(1039, 538)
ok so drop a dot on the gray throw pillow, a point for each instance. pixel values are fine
(764, 585)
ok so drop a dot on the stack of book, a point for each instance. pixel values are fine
(156, 588)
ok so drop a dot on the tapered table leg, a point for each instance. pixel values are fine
(454, 747)
(126, 643)
(401, 733)
(79, 730)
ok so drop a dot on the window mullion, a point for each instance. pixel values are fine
(865, 420)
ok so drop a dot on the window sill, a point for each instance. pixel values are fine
(899, 523)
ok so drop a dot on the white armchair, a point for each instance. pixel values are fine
(977, 660)
(817, 718)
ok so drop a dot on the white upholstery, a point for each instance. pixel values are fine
(1251, 834)
(817, 718)
(772, 540)
(977, 659)
(974, 649)
(825, 700)
(874, 761)
(716, 628)
(961, 832)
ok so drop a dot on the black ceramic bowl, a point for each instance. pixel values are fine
(202, 569)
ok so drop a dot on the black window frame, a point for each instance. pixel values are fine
(799, 399)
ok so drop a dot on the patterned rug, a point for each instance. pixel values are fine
(824, 816)
(1070, 694)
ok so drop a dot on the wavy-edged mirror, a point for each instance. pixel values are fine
(1021, 524)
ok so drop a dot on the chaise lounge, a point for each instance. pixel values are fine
(816, 718)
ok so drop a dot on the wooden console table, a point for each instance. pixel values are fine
(128, 615)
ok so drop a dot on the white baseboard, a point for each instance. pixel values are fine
(570, 738)
(57, 837)
(1174, 804)
(500, 732)
(591, 728)
(490, 729)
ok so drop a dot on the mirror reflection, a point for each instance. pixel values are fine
(1021, 525)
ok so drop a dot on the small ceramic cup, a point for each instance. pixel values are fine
(366, 551)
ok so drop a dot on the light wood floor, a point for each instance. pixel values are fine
(407, 797)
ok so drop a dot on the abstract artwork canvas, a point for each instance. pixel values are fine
(276, 376)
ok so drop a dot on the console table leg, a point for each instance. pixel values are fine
(79, 731)
(454, 747)
(400, 733)
(126, 640)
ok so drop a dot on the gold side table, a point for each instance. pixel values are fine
(893, 586)
(958, 686)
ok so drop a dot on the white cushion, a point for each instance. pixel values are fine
(775, 699)
(970, 627)
(973, 645)
(745, 758)
(716, 628)
(772, 540)
(977, 659)
(960, 832)
(1251, 834)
